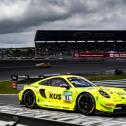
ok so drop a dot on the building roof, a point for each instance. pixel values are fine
(79, 35)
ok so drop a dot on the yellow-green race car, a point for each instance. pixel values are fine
(71, 92)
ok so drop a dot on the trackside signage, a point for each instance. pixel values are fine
(100, 54)
(118, 55)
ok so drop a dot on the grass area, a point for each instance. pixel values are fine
(105, 77)
(6, 86)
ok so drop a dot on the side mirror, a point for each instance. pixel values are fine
(67, 87)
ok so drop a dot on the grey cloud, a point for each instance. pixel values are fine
(18, 16)
(39, 12)
(36, 13)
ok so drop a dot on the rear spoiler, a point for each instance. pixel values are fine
(27, 79)
(16, 77)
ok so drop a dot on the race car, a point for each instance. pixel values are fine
(72, 92)
(43, 65)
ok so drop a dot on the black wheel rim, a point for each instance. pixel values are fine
(86, 104)
(29, 99)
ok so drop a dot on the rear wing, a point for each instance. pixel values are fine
(19, 81)
(27, 79)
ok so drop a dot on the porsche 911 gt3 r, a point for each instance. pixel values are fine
(71, 92)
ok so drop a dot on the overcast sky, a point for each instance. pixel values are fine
(19, 19)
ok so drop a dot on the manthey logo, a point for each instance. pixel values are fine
(55, 96)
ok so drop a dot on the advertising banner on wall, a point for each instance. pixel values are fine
(100, 55)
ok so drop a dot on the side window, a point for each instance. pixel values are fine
(46, 82)
(58, 82)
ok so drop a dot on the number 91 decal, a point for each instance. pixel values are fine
(67, 96)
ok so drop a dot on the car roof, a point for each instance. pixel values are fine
(64, 76)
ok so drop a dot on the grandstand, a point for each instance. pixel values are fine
(57, 43)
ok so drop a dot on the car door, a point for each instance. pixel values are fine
(43, 95)
(60, 94)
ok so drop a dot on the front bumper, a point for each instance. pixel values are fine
(120, 108)
(111, 106)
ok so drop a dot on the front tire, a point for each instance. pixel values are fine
(29, 99)
(86, 104)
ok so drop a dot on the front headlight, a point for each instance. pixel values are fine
(103, 93)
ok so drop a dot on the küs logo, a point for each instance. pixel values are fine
(55, 96)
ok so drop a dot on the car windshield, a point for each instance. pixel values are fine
(80, 82)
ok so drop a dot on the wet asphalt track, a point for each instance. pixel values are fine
(22, 68)
(63, 116)
(9, 99)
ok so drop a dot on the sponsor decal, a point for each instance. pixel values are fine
(121, 93)
(118, 55)
(67, 96)
(55, 96)
(101, 54)
(89, 88)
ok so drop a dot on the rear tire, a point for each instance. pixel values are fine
(29, 99)
(86, 104)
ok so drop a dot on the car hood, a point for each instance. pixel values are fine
(113, 92)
